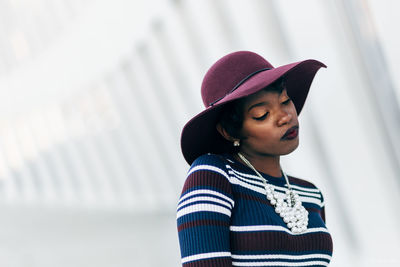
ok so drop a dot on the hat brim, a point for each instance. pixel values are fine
(200, 136)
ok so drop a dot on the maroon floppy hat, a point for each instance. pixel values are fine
(236, 75)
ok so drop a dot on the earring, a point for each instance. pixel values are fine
(236, 143)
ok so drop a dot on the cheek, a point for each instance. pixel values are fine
(257, 131)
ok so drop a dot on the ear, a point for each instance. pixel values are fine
(224, 133)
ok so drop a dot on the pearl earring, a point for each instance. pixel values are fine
(236, 143)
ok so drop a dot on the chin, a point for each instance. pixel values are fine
(291, 148)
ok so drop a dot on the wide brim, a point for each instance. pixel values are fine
(200, 136)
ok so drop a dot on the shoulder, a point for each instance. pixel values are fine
(209, 162)
(208, 172)
(209, 158)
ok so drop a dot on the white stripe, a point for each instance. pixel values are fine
(205, 256)
(314, 190)
(259, 183)
(281, 256)
(253, 178)
(211, 199)
(203, 207)
(235, 180)
(281, 188)
(209, 168)
(280, 263)
(206, 191)
(301, 193)
(244, 175)
(311, 200)
(253, 228)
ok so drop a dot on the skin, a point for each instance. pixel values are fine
(267, 117)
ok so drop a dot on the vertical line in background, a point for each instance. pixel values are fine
(23, 179)
(68, 161)
(28, 178)
(381, 87)
(53, 17)
(44, 23)
(80, 158)
(8, 183)
(193, 37)
(116, 141)
(157, 140)
(79, 177)
(267, 11)
(26, 184)
(158, 87)
(104, 142)
(46, 183)
(226, 24)
(177, 71)
(56, 160)
(6, 25)
(319, 145)
(83, 154)
(142, 173)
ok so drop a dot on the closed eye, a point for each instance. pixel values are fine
(262, 117)
(287, 101)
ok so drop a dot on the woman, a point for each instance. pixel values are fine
(238, 207)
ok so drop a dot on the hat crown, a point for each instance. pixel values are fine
(227, 72)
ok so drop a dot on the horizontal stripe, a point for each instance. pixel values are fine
(252, 177)
(281, 256)
(206, 256)
(312, 190)
(200, 199)
(235, 180)
(254, 228)
(256, 178)
(281, 263)
(256, 182)
(284, 242)
(208, 168)
(206, 191)
(196, 223)
(203, 207)
(252, 182)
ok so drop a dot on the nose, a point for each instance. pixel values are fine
(284, 118)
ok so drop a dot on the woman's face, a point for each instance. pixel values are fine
(267, 117)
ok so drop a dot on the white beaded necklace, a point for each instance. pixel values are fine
(289, 207)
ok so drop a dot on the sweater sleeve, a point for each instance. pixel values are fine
(203, 215)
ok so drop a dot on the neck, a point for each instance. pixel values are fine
(265, 164)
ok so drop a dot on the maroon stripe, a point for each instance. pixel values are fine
(245, 196)
(202, 223)
(208, 179)
(301, 182)
(279, 241)
(215, 262)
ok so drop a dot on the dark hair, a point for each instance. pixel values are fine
(231, 116)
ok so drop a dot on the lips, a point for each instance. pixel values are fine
(291, 133)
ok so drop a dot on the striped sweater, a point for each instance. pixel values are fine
(224, 219)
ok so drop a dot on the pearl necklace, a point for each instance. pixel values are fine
(289, 207)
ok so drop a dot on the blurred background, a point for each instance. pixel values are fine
(94, 94)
